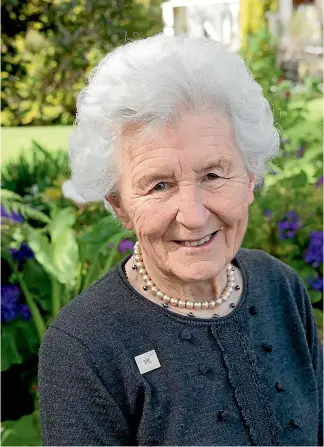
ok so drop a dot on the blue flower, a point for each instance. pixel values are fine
(289, 225)
(9, 302)
(268, 213)
(319, 182)
(316, 284)
(300, 152)
(125, 245)
(24, 252)
(15, 217)
(314, 253)
(25, 312)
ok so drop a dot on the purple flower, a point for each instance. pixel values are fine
(319, 182)
(300, 152)
(268, 213)
(25, 312)
(15, 217)
(125, 245)
(316, 284)
(289, 225)
(9, 302)
(24, 252)
(314, 253)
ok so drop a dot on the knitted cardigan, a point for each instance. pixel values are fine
(252, 377)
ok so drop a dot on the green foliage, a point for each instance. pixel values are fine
(19, 340)
(35, 170)
(48, 53)
(25, 431)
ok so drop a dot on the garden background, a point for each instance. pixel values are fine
(53, 246)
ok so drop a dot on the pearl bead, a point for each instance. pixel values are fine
(166, 299)
(218, 301)
(174, 301)
(181, 303)
(154, 290)
(139, 265)
(138, 258)
(189, 304)
(146, 278)
(225, 298)
(160, 294)
(229, 267)
(232, 283)
(211, 304)
(197, 305)
(142, 271)
(205, 304)
(150, 283)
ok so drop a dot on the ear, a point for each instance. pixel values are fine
(251, 186)
(116, 204)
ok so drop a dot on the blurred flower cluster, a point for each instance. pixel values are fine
(10, 306)
(314, 254)
(289, 225)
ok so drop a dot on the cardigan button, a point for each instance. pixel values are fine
(279, 387)
(203, 368)
(186, 334)
(222, 415)
(294, 423)
(267, 347)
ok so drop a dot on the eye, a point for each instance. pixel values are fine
(158, 187)
(212, 176)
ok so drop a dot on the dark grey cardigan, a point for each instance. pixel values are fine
(252, 377)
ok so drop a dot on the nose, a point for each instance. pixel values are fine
(192, 212)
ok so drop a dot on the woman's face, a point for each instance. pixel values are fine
(185, 186)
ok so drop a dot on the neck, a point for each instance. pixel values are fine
(177, 288)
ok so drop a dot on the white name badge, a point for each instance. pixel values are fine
(147, 361)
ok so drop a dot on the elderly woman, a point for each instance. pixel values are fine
(190, 340)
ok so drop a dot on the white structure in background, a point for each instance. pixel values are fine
(217, 19)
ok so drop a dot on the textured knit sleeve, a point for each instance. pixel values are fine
(75, 406)
(316, 350)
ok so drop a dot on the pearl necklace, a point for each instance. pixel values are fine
(166, 300)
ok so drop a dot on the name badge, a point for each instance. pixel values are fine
(147, 361)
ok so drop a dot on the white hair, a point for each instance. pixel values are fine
(150, 81)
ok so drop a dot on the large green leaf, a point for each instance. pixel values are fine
(98, 235)
(60, 257)
(19, 340)
(65, 256)
(62, 219)
(25, 431)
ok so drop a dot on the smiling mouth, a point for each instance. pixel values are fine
(197, 243)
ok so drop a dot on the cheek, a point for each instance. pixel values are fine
(151, 218)
(230, 205)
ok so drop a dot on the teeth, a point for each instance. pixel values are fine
(201, 242)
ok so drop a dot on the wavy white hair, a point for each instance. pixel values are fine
(149, 82)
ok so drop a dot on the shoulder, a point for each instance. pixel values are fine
(276, 278)
(94, 314)
(258, 261)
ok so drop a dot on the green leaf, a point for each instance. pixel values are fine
(63, 218)
(24, 431)
(98, 236)
(65, 255)
(19, 340)
(60, 257)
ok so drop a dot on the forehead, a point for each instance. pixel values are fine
(210, 133)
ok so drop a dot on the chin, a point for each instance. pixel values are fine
(199, 271)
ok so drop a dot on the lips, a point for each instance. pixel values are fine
(196, 240)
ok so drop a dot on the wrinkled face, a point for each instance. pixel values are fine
(187, 185)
